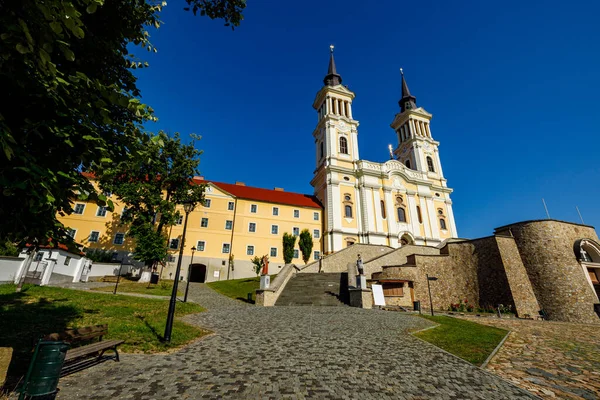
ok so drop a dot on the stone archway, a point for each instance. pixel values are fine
(198, 273)
(587, 252)
(405, 238)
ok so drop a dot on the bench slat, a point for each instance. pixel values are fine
(92, 348)
(80, 334)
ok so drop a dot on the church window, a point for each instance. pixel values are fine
(347, 197)
(382, 209)
(348, 211)
(407, 163)
(399, 199)
(419, 217)
(430, 164)
(401, 215)
(443, 224)
(440, 211)
(343, 145)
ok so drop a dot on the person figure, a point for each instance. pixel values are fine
(359, 266)
(265, 263)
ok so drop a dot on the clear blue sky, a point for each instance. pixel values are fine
(513, 87)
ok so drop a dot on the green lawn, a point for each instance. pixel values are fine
(239, 288)
(40, 310)
(163, 288)
(467, 340)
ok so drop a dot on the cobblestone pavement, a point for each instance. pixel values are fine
(292, 353)
(550, 359)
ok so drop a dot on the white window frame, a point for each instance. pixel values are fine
(98, 212)
(230, 206)
(271, 252)
(230, 225)
(198, 245)
(69, 230)
(275, 211)
(179, 220)
(223, 248)
(315, 216)
(249, 225)
(316, 254)
(276, 228)
(171, 244)
(296, 213)
(207, 203)
(201, 219)
(248, 248)
(97, 238)
(294, 229)
(296, 253)
(82, 210)
(255, 208)
(115, 239)
(316, 234)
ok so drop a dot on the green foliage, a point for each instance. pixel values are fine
(258, 263)
(305, 243)
(289, 241)
(238, 288)
(8, 249)
(467, 340)
(72, 101)
(150, 182)
(99, 255)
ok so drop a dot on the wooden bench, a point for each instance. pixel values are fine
(77, 337)
(109, 279)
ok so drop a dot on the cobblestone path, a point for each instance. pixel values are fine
(551, 359)
(292, 353)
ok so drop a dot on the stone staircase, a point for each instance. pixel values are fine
(325, 289)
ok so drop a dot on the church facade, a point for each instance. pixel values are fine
(401, 201)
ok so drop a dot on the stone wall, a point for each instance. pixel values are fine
(491, 275)
(338, 262)
(558, 281)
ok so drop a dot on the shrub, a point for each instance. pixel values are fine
(289, 241)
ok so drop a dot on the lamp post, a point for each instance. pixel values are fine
(430, 278)
(188, 206)
(187, 286)
(118, 276)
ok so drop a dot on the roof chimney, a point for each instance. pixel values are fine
(199, 177)
(240, 183)
(278, 189)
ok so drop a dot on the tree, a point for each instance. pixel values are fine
(258, 263)
(72, 103)
(150, 183)
(305, 242)
(289, 241)
(8, 249)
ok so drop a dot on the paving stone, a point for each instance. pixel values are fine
(293, 352)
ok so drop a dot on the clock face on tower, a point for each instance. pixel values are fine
(342, 126)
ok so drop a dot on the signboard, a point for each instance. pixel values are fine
(378, 297)
(216, 274)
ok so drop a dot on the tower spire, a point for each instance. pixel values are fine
(332, 78)
(408, 101)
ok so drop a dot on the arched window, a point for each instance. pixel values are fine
(401, 214)
(407, 163)
(348, 211)
(419, 217)
(322, 152)
(430, 164)
(343, 145)
(443, 224)
(382, 209)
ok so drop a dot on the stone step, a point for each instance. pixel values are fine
(316, 289)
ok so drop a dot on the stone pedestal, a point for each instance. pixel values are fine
(265, 281)
(361, 281)
(362, 298)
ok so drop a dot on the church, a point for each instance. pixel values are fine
(402, 201)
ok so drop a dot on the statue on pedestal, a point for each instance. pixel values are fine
(359, 266)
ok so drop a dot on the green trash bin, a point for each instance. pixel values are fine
(44, 369)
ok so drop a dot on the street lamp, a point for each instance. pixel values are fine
(188, 206)
(187, 286)
(430, 278)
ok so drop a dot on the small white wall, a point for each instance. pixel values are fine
(108, 269)
(9, 268)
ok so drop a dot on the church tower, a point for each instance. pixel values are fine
(336, 144)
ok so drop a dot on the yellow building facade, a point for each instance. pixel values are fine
(235, 220)
(401, 201)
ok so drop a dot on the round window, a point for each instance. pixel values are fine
(347, 198)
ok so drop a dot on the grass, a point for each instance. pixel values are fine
(164, 288)
(468, 340)
(238, 288)
(37, 311)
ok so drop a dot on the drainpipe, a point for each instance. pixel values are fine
(231, 240)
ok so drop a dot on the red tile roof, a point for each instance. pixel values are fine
(267, 195)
